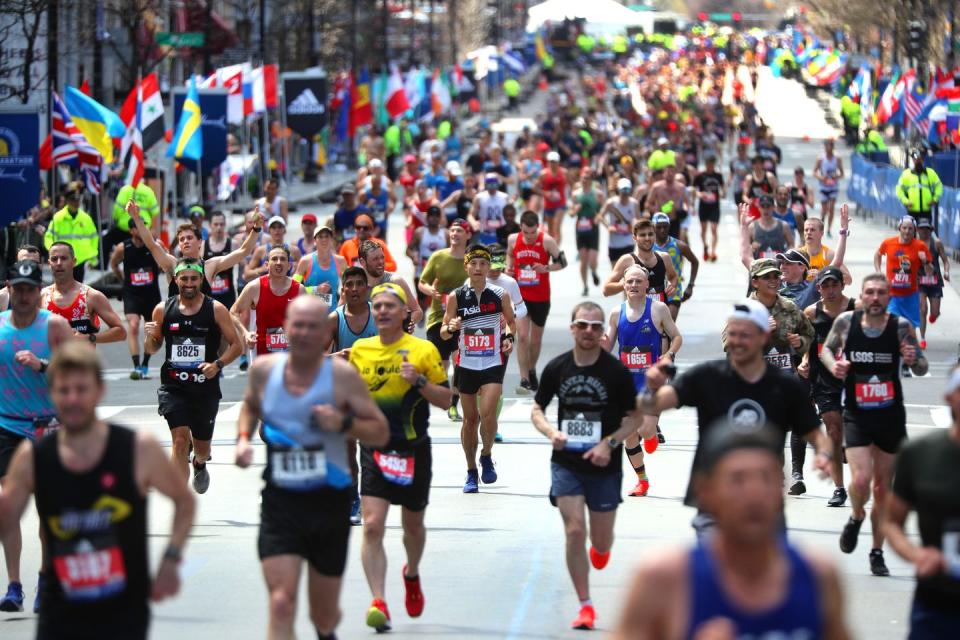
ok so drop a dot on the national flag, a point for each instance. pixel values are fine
(98, 124)
(131, 150)
(913, 105)
(414, 86)
(85, 88)
(343, 131)
(539, 47)
(264, 81)
(236, 79)
(187, 140)
(513, 61)
(361, 111)
(66, 145)
(151, 112)
(397, 102)
(439, 94)
(889, 102)
(461, 81)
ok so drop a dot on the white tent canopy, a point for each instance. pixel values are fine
(602, 16)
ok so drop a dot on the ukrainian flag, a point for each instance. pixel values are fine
(187, 142)
(97, 123)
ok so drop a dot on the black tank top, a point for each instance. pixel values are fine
(173, 290)
(873, 383)
(760, 187)
(822, 323)
(140, 271)
(190, 341)
(658, 275)
(463, 206)
(95, 524)
(222, 289)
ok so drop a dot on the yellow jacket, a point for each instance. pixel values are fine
(918, 193)
(79, 231)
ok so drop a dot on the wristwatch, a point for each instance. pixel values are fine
(613, 442)
(92, 338)
(672, 354)
(420, 382)
(173, 554)
(347, 422)
(219, 364)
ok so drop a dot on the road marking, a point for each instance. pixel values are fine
(523, 603)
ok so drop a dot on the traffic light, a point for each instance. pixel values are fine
(916, 33)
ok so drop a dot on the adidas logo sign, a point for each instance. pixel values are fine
(306, 104)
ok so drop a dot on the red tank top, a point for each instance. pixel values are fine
(77, 314)
(534, 286)
(271, 310)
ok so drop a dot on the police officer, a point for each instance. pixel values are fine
(919, 188)
(74, 226)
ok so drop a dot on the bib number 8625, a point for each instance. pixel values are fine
(187, 351)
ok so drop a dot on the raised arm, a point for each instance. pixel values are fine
(235, 257)
(746, 243)
(164, 260)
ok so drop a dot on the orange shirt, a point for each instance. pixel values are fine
(903, 264)
(350, 251)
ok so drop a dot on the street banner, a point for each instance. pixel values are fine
(305, 94)
(213, 128)
(19, 162)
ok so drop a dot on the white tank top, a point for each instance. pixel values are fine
(429, 243)
(621, 232)
(271, 209)
(828, 167)
(490, 209)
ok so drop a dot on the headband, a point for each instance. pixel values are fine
(183, 266)
(477, 252)
(389, 287)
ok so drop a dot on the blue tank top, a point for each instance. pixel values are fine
(379, 209)
(799, 615)
(300, 456)
(345, 335)
(318, 275)
(640, 343)
(25, 397)
(672, 248)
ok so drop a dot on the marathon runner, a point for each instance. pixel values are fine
(405, 376)
(553, 188)
(744, 581)
(141, 293)
(639, 328)
(79, 304)
(783, 212)
(259, 264)
(24, 414)
(192, 325)
(596, 412)
(307, 243)
(310, 404)
(930, 286)
(475, 315)
(426, 240)
(273, 204)
(873, 342)
(826, 390)
(801, 195)
(372, 260)
(767, 235)
(96, 580)
(709, 189)
(25, 252)
(828, 171)
(925, 480)
(381, 202)
(529, 253)
(759, 182)
(320, 271)
(677, 250)
(744, 388)
(740, 167)
(906, 258)
(350, 248)
(664, 279)
(269, 295)
(587, 201)
(669, 196)
(623, 210)
(217, 244)
(486, 212)
(819, 254)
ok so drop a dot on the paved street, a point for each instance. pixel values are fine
(494, 564)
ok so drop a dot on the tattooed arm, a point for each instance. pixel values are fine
(834, 344)
(910, 350)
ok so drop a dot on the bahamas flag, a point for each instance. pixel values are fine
(97, 123)
(187, 140)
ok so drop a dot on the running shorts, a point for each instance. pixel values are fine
(931, 291)
(538, 312)
(826, 398)
(198, 412)
(415, 495)
(9, 442)
(139, 305)
(313, 525)
(907, 306)
(886, 431)
(615, 253)
(549, 213)
(601, 491)
(589, 239)
(445, 347)
(469, 381)
(710, 215)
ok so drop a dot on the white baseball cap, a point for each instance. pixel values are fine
(275, 220)
(454, 167)
(624, 183)
(662, 140)
(375, 163)
(553, 156)
(752, 310)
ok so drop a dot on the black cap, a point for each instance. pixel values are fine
(830, 272)
(434, 210)
(348, 188)
(765, 200)
(26, 272)
(794, 256)
(746, 430)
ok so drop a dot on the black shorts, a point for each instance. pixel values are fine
(226, 299)
(826, 398)
(118, 624)
(588, 239)
(9, 442)
(445, 347)
(887, 430)
(414, 496)
(139, 305)
(538, 312)
(469, 381)
(931, 291)
(710, 215)
(198, 412)
(615, 253)
(314, 526)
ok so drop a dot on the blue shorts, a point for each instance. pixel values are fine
(549, 213)
(906, 307)
(601, 490)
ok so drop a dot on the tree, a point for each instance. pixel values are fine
(22, 46)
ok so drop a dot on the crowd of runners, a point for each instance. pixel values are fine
(345, 357)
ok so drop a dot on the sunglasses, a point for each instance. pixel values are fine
(363, 228)
(583, 325)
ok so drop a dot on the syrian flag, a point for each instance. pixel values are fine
(397, 103)
(151, 111)
(131, 150)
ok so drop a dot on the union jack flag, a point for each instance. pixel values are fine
(70, 147)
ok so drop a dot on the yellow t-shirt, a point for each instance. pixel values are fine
(406, 410)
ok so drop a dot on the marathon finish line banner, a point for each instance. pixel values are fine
(213, 128)
(19, 162)
(305, 97)
(874, 187)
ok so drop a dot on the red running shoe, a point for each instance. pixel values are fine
(597, 559)
(923, 344)
(641, 489)
(650, 444)
(414, 596)
(378, 616)
(586, 619)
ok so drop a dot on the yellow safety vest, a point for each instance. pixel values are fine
(79, 231)
(918, 193)
(145, 199)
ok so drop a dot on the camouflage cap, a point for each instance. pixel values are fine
(763, 266)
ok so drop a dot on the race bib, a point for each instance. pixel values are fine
(219, 285)
(583, 430)
(874, 392)
(929, 281)
(299, 468)
(797, 207)
(584, 224)
(141, 278)
(91, 570)
(656, 295)
(620, 229)
(44, 426)
(187, 354)
(276, 339)
(326, 298)
(379, 215)
(901, 280)
(478, 343)
(637, 359)
(709, 197)
(527, 277)
(769, 253)
(779, 360)
(397, 468)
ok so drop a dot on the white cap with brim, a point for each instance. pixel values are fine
(753, 311)
(553, 156)
(275, 220)
(624, 184)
